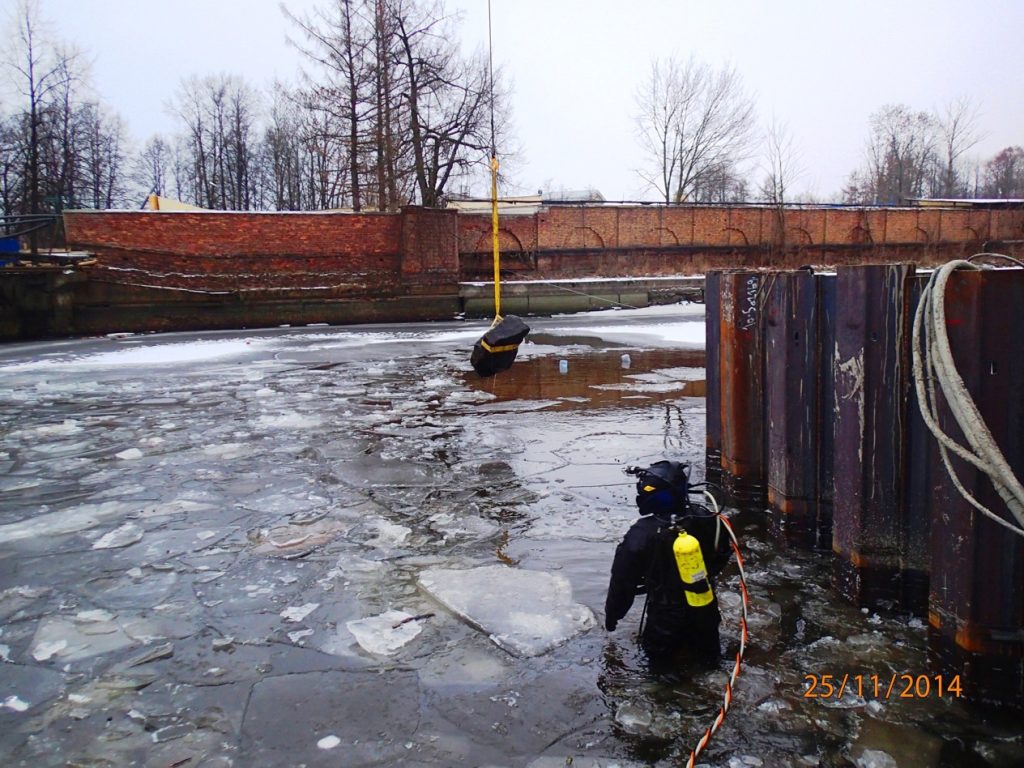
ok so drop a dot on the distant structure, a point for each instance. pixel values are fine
(971, 203)
(526, 204)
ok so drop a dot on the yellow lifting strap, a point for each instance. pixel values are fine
(494, 238)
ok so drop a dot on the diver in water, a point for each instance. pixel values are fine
(682, 617)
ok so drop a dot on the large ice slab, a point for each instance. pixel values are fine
(526, 613)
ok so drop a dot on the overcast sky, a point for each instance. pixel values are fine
(820, 67)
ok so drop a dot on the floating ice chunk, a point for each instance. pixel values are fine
(226, 450)
(297, 614)
(67, 427)
(130, 454)
(328, 742)
(96, 615)
(526, 613)
(13, 702)
(46, 649)
(633, 718)
(122, 536)
(388, 534)
(384, 634)
(875, 758)
(64, 521)
(296, 421)
(296, 636)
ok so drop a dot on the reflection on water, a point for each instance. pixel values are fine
(598, 379)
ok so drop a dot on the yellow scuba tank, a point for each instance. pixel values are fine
(690, 563)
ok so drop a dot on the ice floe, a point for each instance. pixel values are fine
(526, 613)
(385, 633)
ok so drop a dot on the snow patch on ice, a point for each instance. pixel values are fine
(153, 354)
(526, 613)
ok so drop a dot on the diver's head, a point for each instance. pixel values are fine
(661, 489)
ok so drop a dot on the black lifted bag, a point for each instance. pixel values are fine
(496, 350)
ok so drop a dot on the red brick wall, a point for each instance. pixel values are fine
(337, 253)
(430, 257)
(577, 241)
(427, 251)
(577, 227)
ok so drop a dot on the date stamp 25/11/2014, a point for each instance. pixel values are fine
(889, 686)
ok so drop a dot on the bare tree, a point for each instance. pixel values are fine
(1004, 174)
(694, 123)
(39, 69)
(782, 168)
(901, 157)
(448, 99)
(101, 156)
(153, 165)
(219, 114)
(340, 41)
(958, 133)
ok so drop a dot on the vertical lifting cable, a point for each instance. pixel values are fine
(494, 176)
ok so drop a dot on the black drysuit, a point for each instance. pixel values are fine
(644, 562)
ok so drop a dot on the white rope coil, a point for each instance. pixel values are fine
(934, 368)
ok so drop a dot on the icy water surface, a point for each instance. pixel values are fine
(215, 550)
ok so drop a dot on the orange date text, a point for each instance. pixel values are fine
(889, 686)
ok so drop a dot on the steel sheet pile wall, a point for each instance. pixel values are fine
(798, 349)
(872, 379)
(741, 384)
(810, 393)
(712, 366)
(976, 613)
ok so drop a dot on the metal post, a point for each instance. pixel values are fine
(742, 388)
(871, 388)
(712, 377)
(791, 406)
(976, 605)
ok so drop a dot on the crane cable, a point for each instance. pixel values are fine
(744, 638)
(933, 365)
(494, 177)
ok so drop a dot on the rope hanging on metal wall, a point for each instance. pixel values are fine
(496, 350)
(935, 371)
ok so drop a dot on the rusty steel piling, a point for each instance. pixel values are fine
(817, 405)
(872, 378)
(793, 361)
(826, 290)
(712, 367)
(741, 384)
(976, 601)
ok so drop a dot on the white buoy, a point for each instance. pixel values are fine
(626, 361)
(563, 366)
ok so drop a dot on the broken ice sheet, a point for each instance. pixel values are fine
(380, 635)
(122, 536)
(526, 613)
(299, 613)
